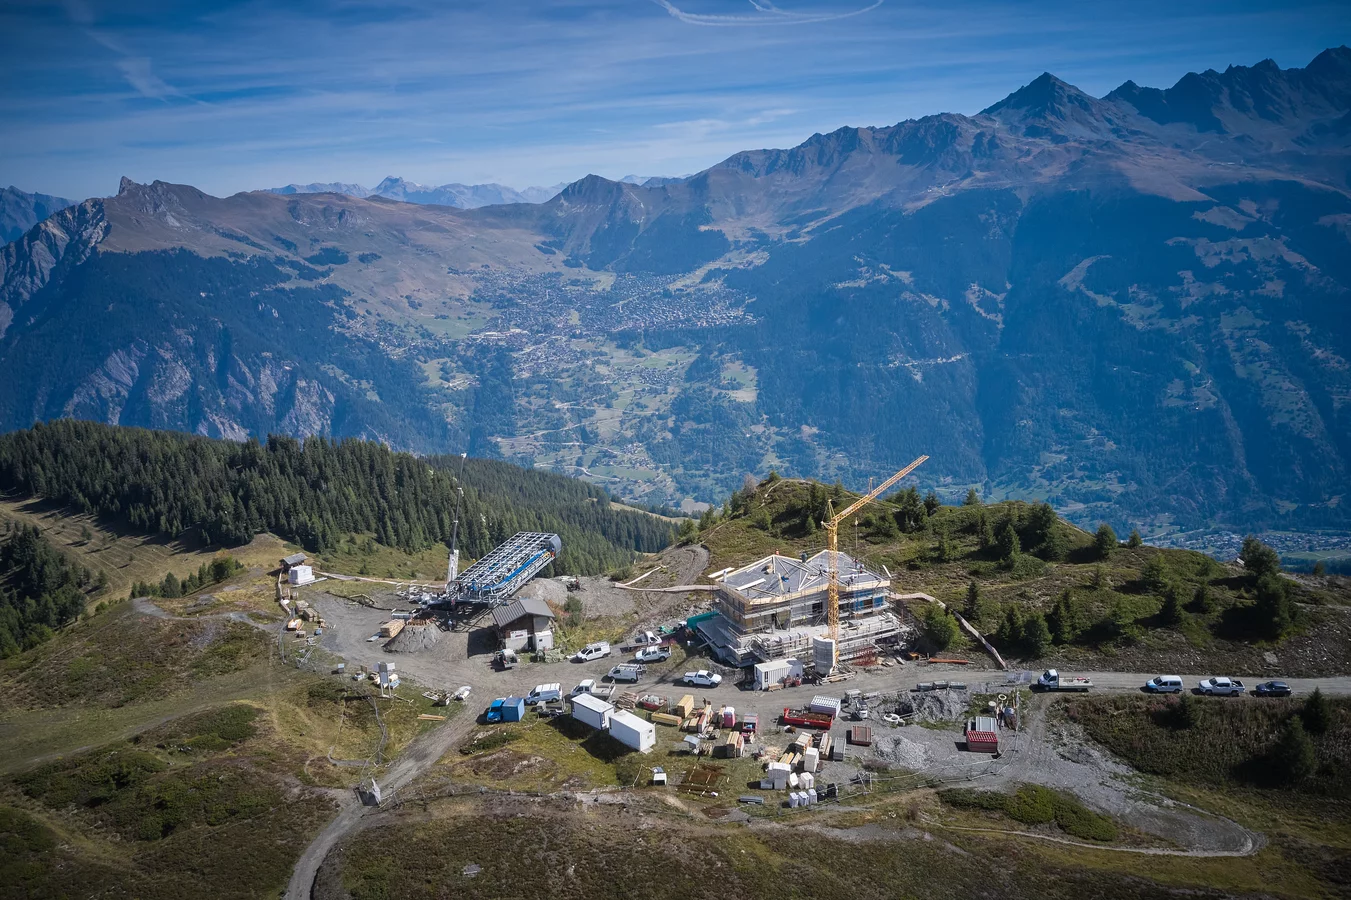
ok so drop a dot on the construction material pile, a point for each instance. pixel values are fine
(414, 638)
(901, 753)
(933, 706)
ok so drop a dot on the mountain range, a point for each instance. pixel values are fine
(1134, 306)
(460, 196)
(20, 211)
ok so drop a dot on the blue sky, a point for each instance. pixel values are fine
(244, 94)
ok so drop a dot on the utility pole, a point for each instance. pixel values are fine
(454, 568)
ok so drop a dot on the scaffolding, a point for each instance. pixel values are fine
(499, 575)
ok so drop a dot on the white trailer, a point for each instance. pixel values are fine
(632, 731)
(592, 710)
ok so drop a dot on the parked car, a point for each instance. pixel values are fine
(627, 672)
(495, 710)
(1272, 689)
(1164, 684)
(702, 678)
(653, 654)
(1221, 687)
(647, 638)
(598, 650)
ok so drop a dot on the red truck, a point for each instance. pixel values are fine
(805, 718)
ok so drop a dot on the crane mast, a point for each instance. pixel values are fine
(832, 526)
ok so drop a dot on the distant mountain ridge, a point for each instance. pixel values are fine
(460, 196)
(1132, 305)
(20, 211)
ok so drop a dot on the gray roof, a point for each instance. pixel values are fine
(294, 559)
(778, 576)
(519, 608)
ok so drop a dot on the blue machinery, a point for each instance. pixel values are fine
(506, 569)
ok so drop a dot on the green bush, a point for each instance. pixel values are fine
(1077, 820)
(1031, 804)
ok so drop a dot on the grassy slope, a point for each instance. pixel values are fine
(911, 558)
(1224, 763)
(202, 804)
(127, 558)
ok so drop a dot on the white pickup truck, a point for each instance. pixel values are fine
(1051, 680)
(1221, 687)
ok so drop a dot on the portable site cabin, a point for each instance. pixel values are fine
(513, 709)
(775, 673)
(592, 710)
(298, 575)
(632, 731)
(295, 559)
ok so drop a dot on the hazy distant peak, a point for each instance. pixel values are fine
(20, 211)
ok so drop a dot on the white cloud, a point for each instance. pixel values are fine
(773, 15)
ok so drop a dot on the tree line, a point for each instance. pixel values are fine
(40, 590)
(314, 492)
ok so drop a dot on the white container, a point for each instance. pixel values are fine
(806, 781)
(811, 759)
(793, 800)
(632, 731)
(793, 780)
(300, 575)
(592, 710)
(826, 705)
(811, 796)
(768, 673)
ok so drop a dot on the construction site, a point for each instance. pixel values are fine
(776, 608)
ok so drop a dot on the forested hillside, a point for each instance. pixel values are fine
(314, 492)
(1045, 591)
(40, 590)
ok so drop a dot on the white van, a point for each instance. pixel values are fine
(1164, 684)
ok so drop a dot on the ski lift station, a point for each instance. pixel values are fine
(499, 575)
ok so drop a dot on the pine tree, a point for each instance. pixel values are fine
(931, 503)
(1008, 542)
(1258, 558)
(940, 629)
(1274, 612)
(972, 608)
(1064, 618)
(1317, 714)
(170, 587)
(1171, 613)
(1011, 629)
(1295, 756)
(972, 498)
(1185, 712)
(1201, 601)
(1104, 542)
(1036, 634)
(1319, 569)
(1134, 541)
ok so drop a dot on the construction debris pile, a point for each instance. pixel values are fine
(943, 705)
(900, 752)
(414, 638)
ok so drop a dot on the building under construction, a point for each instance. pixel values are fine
(498, 576)
(775, 607)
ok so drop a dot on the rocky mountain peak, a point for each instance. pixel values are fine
(126, 184)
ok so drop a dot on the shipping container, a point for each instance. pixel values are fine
(592, 710)
(632, 731)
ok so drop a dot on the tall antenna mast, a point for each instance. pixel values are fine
(454, 568)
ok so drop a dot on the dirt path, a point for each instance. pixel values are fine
(416, 758)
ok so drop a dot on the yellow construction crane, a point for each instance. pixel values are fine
(832, 525)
